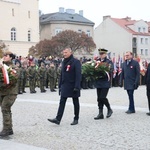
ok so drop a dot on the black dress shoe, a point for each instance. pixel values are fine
(99, 116)
(74, 122)
(20, 93)
(43, 91)
(4, 133)
(109, 113)
(130, 111)
(148, 114)
(53, 90)
(54, 121)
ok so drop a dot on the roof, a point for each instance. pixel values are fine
(61, 17)
(125, 22)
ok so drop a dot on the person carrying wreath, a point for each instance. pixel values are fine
(8, 93)
(102, 85)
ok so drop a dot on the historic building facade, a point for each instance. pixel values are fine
(119, 35)
(19, 27)
(53, 23)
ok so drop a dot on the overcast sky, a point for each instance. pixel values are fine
(94, 10)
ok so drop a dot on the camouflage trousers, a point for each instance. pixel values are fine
(6, 101)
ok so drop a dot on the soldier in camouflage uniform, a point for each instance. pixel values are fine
(20, 74)
(47, 79)
(24, 76)
(52, 75)
(58, 74)
(42, 77)
(32, 77)
(7, 99)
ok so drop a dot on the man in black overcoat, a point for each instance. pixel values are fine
(131, 76)
(147, 82)
(69, 85)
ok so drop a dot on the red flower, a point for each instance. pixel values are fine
(68, 68)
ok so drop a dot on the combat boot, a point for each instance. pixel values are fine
(100, 115)
(109, 113)
(6, 132)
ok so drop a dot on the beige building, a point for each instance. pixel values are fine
(53, 23)
(19, 27)
(119, 35)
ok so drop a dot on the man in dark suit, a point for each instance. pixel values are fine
(102, 86)
(147, 82)
(69, 85)
(131, 76)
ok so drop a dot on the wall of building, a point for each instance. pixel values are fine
(113, 37)
(47, 31)
(23, 16)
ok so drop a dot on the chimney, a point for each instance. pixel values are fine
(81, 12)
(61, 9)
(105, 17)
(127, 18)
(70, 11)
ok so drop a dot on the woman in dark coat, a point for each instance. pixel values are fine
(69, 85)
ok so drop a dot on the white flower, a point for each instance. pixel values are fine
(92, 64)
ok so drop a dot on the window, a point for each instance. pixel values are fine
(57, 31)
(141, 40)
(146, 40)
(29, 14)
(29, 35)
(143, 29)
(141, 51)
(88, 32)
(13, 13)
(139, 29)
(146, 52)
(13, 34)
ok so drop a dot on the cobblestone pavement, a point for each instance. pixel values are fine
(120, 132)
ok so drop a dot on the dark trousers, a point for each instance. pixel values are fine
(131, 99)
(101, 98)
(62, 108)
(148, 96)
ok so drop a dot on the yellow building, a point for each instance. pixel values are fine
(19, 27)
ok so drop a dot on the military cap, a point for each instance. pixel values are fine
(102, 50)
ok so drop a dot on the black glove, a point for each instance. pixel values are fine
(136, 85)
(75, 90)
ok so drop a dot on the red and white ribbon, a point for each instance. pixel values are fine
(108, 75)
(5, 74)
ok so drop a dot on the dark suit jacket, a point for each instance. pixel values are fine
(130, 74)
(70, 78)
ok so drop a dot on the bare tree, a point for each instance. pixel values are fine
(68, 38)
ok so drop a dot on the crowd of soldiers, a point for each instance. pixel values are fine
(44, 73)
